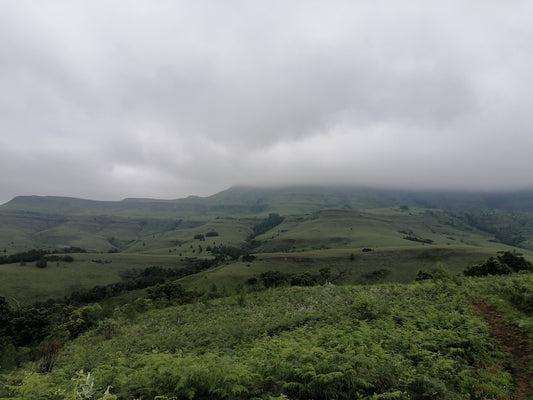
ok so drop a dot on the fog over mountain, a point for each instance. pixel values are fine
(112, 99)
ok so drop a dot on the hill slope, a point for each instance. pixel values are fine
(54, 222)
(420, 341)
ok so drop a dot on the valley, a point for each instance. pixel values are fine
(302, 257)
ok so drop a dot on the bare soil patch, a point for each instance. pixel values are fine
(510, 339)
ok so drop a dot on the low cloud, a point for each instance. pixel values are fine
(105, 100)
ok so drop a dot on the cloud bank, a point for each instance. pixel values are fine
(113, 99)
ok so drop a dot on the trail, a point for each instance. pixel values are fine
(515, 342)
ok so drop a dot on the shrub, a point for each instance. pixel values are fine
(504, 264)
(274, 278)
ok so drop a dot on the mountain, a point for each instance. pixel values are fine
(295, 199)
(210, 297)
(148, 225)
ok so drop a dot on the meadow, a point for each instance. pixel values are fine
(388, 341)
(298, 293)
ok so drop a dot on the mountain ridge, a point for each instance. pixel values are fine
(261, 199)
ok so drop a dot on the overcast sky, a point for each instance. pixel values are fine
(110, 99)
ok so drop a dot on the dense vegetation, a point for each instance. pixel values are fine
(504, 264)
(147, 225)
(252, 295)
(391, 341)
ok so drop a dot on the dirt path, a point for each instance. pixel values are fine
(511, 340)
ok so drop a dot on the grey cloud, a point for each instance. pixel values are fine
(167, 99)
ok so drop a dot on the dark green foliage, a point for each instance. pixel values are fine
(490, 267)
(199, 236)
(42, 263)
(30, 326)
(6, 316)
(507, 227)
(27, 256)
(515, 261)
(504, 264)
(267, 224)
(72, 249)
(264, 226)
(223, 252)
(248, 258)
(56, 257)
(148, 277)
(438, 273)
(423, 275)
(304, 279)
(424, 388)
(252, 281)
(418, 239)
(274, 278)
(171, 291)
(376, 276)
(211, 234)
(325, 273)
(40, 254)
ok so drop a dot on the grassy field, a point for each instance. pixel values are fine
(367, 331)
(339, 217)
(308, 242)
(26, 284)
(348, 266)
(314, 234)
(389, 341)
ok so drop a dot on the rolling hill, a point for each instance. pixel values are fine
(377, 215)
(406, 231)
(209, 297)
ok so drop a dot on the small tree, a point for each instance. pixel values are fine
(325, 273)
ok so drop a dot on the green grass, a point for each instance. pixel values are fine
(317, 218)
(379, 228)
(26, 284)
(348, 266)
(232, 231)
(392, 341)
(311, 237)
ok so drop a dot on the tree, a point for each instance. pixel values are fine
(42, 263)
(515, 261)
(504, 264)
(304, 279)
(273, 278)
(6, 315)
(325, 273)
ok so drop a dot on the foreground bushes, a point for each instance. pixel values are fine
(416, 341)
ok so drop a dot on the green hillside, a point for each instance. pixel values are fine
(373, 218)
(288, 293)
(321, 226)
(417, 341)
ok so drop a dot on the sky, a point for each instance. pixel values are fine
(108, 99)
